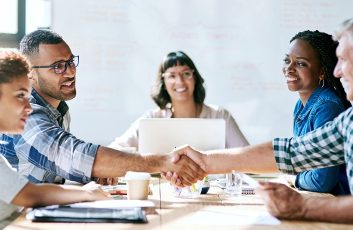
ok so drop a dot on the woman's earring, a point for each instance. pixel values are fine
(323, 83)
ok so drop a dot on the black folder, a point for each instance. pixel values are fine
(63, 213)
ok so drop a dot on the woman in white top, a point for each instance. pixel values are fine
(14, 110)
(179, 93)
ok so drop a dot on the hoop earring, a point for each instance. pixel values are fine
(323, 83)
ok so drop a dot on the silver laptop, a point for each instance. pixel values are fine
(162, 135)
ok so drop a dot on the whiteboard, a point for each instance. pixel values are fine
(238, 47)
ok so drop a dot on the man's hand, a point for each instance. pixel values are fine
(186, 171)
(181, 153)
(95, 192)
(282, 201)
(198, 157)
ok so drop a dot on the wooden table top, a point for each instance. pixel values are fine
(178, 213)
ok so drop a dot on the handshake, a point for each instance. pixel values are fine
(184, 166)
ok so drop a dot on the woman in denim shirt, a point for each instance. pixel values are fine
(308, 68)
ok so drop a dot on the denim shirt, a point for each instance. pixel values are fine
(326, 146)
(46, 151)
(323, 106)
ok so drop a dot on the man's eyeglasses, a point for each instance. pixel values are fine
(171, 77)
(61, 66)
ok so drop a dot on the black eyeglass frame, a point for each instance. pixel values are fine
(66, 64)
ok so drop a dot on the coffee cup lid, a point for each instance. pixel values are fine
(137, 176)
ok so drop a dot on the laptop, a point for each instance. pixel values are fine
(162, 135)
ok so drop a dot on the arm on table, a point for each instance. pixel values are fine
(284, 202)
(47, 194)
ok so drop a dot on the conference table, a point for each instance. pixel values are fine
(214, 210)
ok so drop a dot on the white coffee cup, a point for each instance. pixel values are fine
(137, 185)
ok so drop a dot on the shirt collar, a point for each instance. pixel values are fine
(311, 102)
(57, 112)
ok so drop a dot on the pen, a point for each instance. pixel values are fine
(193, 188)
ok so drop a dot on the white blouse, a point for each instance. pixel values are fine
(11, 183)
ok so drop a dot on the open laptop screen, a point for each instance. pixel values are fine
(162, 135)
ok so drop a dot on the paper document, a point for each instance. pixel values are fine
(231, 216)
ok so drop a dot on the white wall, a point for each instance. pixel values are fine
(237, 45)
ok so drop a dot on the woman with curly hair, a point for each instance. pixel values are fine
(308, 68)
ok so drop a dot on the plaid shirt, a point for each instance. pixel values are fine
(332, 144)
(46, 149)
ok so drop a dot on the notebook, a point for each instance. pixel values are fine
(162, 135)
(90, 215)
(108, 211)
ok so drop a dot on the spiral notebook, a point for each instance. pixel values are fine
(247, 189)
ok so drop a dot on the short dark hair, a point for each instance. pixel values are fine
(29, 44)
(325, 47)
(159, 92)
(12, 66)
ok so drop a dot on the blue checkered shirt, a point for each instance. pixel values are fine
(332, 144)
(47, 151)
